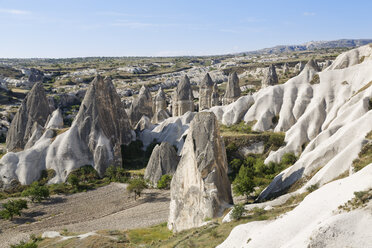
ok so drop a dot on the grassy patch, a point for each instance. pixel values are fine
(315, 80)
(360, 200)
(365, 157)
(147, 236)
(362, 59)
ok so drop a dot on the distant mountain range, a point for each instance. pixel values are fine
(312, 45)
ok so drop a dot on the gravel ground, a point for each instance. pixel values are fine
(109, 207)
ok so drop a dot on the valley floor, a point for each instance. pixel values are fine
(109, 207)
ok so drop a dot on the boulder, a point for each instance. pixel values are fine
(34, 109)
(163, 161)
(270, 77)
(232, 89)
(200, 187)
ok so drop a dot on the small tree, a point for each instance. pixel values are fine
(237, 211)
(36, 192)
(74, 181)
(136, 186)
(12, 208)
(164, 182)
(243, 183)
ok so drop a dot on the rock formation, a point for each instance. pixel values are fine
(160, 107)
(35, 75)
(324, 123)
(232, 89)
(312, 64)
(163, 161)
(215, 99)
(285, 68)
(32, 113)
(300, 66)
(200, 187)
(143, 123)
(172, 130)
(205, 93)
(142, 105)
(94, 138)
(270, 77)
(182, 100)
(96, 135)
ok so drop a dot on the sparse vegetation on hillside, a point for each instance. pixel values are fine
(135, 157)
(12, 208)
(164, 182)
(36, 192)
(361, 198)
(136, 186)
(365, 155)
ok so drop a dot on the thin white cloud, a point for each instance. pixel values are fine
(309, 14)
(240, 30)
(134, 25)
(253, 19)
(15, 11)
(139, 24)
(226, 30)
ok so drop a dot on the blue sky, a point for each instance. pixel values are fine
(78, 28)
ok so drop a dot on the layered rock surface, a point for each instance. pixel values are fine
(232, 89)
(163, 161)
(182, 100)
(94, 138)
(31, 115)
(270, 77)
(326, 116)
(200, 187)
(173, 130)
(205, 92)
(142, 105)
(316, 222)
(160, 107)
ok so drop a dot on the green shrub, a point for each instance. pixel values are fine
(22, 244)
(133, 150)
(134, 157)
(46, 175)
(136, 186)
(237, 212)
(12, 208)
(85, 173)
(73, 180)
(243, 183)
(164, 182)
(315, 80)
(312, 188)
(117, 174)
(289, 159)
(276, 140)
(36, 192)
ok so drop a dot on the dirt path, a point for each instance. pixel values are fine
(108, 207)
